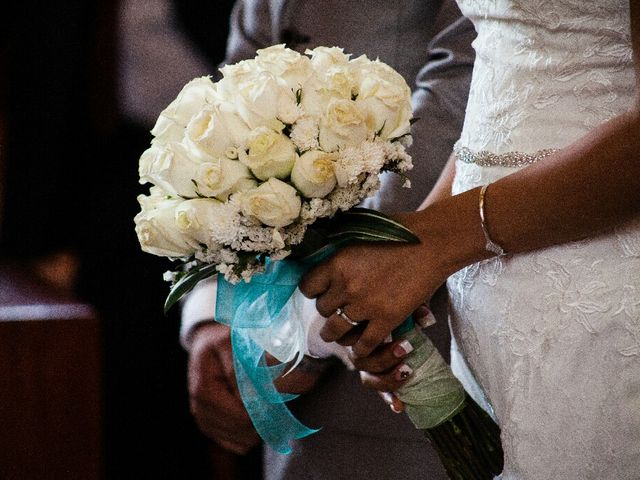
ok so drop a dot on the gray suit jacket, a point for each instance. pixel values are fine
(429, 43)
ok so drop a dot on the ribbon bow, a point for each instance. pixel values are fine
(264, 316)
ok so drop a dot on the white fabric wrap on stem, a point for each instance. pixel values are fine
(301, 331)
(299, 335)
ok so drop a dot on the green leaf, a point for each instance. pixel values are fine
(395, 139)
(372, 223)
(186, 284)
(361, 231)
(357, 224)
(315, 239)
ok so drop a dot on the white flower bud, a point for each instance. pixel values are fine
(274, 203)
(286, 64)
(220, 178)
(314, 174)
(170, 167)
(214, 131)
(201, 218)
(260, 100)
(269, 154)
(193, 97)
(386, 98)
(323, 58)
(343, 125)
(156, 228)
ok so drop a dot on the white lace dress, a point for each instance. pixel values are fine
(552, 337)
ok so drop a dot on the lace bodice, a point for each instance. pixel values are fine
(549, 341)
(546, 72)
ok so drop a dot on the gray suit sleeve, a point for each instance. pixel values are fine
(251, 29)
(439, 102)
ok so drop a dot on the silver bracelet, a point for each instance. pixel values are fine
(491, 246)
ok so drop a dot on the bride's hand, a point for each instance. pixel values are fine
(384, 369)
(380, 284)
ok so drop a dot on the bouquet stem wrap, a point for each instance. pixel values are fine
(465, 436)
(433, 394)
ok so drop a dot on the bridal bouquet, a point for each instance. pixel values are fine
(263, 167)
(256, 178)
(242, 167)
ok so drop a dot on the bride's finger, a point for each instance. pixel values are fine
(386, 382)
(394, 402)
(352, 336)
(329, 301)
(383, 358)
(337, 325)
(373, 336)
(315, 282)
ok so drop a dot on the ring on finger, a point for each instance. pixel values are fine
(341, 313)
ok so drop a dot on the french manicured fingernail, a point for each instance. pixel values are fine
(393, 408)
(402, 349)
(403, 372)
(427, 319)
(387, 397)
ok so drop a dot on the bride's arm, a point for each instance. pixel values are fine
(585, 189)
(442, 188)
(589, 187)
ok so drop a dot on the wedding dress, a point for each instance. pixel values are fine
(549, 342)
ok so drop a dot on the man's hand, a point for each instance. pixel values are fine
(214, 398)
(304, 377)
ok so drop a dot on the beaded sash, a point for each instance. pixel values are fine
(484, 158)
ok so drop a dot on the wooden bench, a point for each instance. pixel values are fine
(50, 387)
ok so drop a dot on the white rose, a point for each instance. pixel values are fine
(286, 64)
(334, 83)
(213, 132)
(222, 177)
(234, 75)
(156, 227)
(342, 125)
(261, 102)
(314, 174)
(170, 167)
(386, 97)
(333, 79)
(268, 154)
(274, 203)
(323, 58)
(260, 97)
(341, 81)
(167, 130)
(193, 97)
(201, 218)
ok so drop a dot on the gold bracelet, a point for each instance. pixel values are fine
(491, 246)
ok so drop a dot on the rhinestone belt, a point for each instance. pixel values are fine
(484, 158)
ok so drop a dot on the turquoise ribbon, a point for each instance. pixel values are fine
(262, 303)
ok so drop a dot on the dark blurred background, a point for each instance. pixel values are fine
(81, 86)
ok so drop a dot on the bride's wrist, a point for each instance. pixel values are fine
(451, 230)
